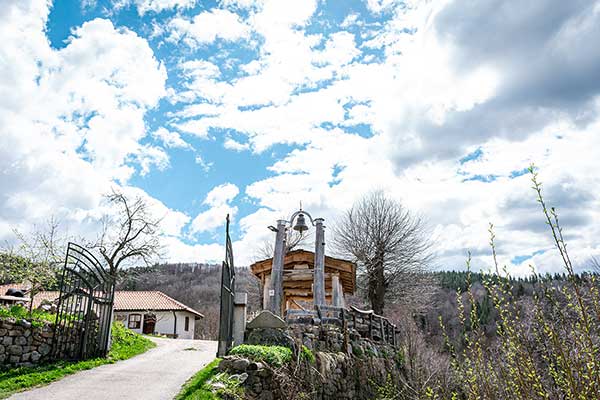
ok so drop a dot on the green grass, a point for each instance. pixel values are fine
(308, 355)
(197, 387)
(37, 317)
(125, 344)
(272, 355)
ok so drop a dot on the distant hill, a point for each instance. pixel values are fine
(195, 285)
(444, 302)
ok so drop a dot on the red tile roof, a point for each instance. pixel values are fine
(151, 300)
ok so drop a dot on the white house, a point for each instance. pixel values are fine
(154, 312)
(149, 312)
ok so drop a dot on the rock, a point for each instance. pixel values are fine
(14, 359)
(35, 356)
(270, 336)
(2, 358)
(240, 364)
(3, 332)
(264, 373)
(15, 350)
(225, 364)
(7, 341)
(254, 366)
(15, 332)
(241, 378)
(44, 349)
(21, 340)
(26, 357)
(265, 396)
(266, 319)
(25, 324)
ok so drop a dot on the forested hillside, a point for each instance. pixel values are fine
(198, 286)
(195, 285)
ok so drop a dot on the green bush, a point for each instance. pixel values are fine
(308, 355)
(399, 358)
(357, 351)
(276, 356)
(18, 312)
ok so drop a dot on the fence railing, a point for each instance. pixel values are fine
(365, 322)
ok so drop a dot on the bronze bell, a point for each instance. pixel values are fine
(300, 224)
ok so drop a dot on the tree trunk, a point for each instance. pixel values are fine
(377, 289)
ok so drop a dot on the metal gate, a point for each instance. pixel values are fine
(85, 305)
(227, 297)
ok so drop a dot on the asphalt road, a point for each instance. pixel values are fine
(155, 375)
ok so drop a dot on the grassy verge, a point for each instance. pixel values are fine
(197, 387)
(125, 344)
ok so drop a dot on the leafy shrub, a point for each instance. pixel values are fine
(18, 312)
(307, 355)
(126, 343)
(357, 351)
(545, 350)
(273, 355)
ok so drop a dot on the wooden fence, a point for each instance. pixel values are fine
(366, 323)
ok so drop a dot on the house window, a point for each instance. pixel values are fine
(187, 324)
(135, 321)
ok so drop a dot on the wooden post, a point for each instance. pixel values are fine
(381, 328)
(266, 288)
(276, 287)
(319, 276)
(336, 293)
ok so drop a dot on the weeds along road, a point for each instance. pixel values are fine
(154, 375)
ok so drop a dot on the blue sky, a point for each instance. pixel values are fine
(248, 107)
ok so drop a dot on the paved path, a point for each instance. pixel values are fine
(155, 375)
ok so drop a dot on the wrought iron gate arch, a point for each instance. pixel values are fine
(85, 305)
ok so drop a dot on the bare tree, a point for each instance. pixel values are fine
(293, 240)
(128, 234)
(37, 257)
(390, 247)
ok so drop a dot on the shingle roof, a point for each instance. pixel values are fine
(151, 300)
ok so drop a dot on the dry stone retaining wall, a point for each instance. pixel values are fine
(21, 344)
(346, 366)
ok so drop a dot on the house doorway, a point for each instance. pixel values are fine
(149, 324)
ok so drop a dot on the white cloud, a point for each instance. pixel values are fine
(218, 199)
(71, 126)
(150, 156)
(206, 166)
(144, 6)
(221, 194)
(170, 138)
(207, 27)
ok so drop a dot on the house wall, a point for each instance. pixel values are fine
(165, 321)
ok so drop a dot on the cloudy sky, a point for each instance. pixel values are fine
(248, 107)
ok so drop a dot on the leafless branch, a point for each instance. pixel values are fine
(129, 233)
(390, 246)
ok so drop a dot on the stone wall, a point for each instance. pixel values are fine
(346, 366)
(21, 344)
